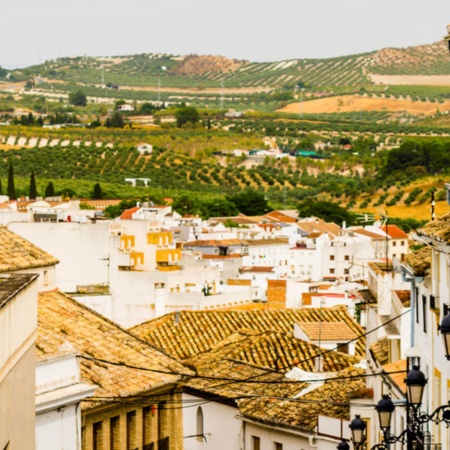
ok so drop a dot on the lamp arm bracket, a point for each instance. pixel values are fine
(440, 414)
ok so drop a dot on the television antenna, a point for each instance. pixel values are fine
(384, 222)
(365, 218)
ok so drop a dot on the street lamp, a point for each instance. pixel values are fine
(385, 408)
(415, 384)
(358, 427)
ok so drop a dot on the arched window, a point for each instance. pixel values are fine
(199, 424)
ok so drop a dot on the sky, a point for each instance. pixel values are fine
(256, 30)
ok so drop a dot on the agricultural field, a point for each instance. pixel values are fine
(357, 111)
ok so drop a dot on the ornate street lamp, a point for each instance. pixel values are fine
(385, 408)
(444, 328)
(415, 384)
(358, 427)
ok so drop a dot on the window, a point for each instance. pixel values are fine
(416, 301)
(199, 430)
(432, 302)
(346, 271)
(394, 244)
(331, 257)
(424, 312)
(342, 347)
(331, 271)
(347, 257)
(45, 277)
(256, 443)
(402, 243)
(278, 446)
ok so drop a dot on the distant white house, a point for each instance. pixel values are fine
(144, 147)
(125, 107)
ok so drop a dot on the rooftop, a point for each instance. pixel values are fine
(16, 253)
(394, 231)
(189, 333)
(12, 284)
(109, 355)
(327, 331)
(438, 229)
(420, 261)
(331, 398)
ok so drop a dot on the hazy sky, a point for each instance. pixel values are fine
(259, 30)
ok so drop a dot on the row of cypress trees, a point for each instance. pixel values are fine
(49, 190)
(11, 189)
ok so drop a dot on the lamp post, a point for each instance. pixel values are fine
(413, 435)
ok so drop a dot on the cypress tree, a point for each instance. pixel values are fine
(98, 194)
(11, 188)
(33, 191)
(1, 188)
(49, 190)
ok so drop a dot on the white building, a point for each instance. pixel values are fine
(59, 392)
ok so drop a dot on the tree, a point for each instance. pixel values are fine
(219, 208)
(11, 187)
(115, 121)
(97, 194)
(328, 211)
(186, 114)
(78, 98)
(33, 191)
(1, 188)
(50, 190)
(250, 202)
(116, 210)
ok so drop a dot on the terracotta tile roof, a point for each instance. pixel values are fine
(394, 232)
(128, 213)
(287, 410)
(397, 378)
(256, 269)
(213, 243)
(270, 350)
(380, 351)
(319, 227)
(189, 333)
(368, 233)
(278, 216)
(327, 331)
(232, 380)
(420, 261)
(101, 204)
(439, 229)
(63, 322)
(16, 253)
(12, 283)
(260, 242)
(405, 297)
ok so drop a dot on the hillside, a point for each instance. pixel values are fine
(189, 71)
